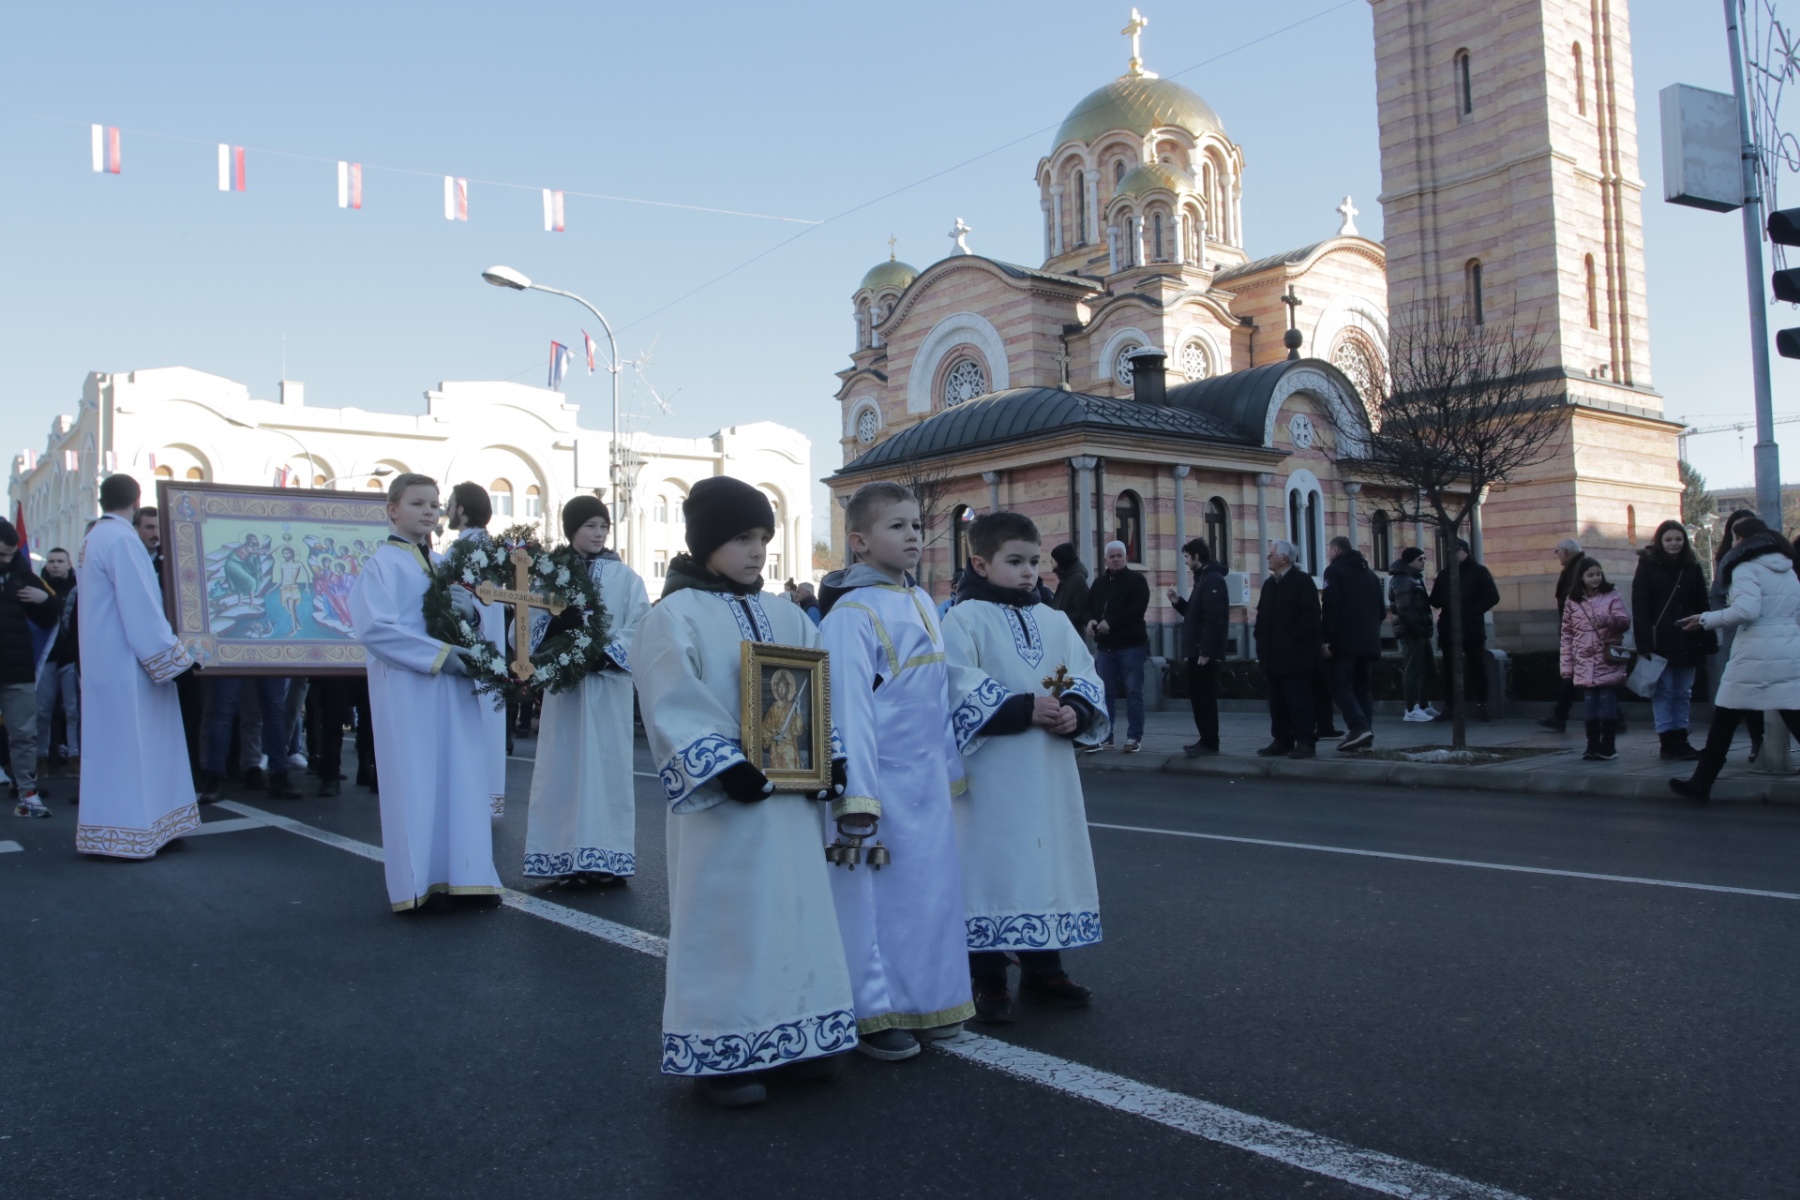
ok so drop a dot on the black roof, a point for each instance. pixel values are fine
(1239, 400)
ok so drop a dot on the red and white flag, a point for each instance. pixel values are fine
(589, 343)
(456, 198)
(71, 462)
(349, 185)
(106, 149)
(231, 168)
(553, 211)
(151, 458)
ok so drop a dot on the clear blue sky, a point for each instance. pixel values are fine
(804, 110)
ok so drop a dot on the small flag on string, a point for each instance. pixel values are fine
(553, 211)
(349, 185)
(106, 149)
(589, 343)
(559, 364)
(231, 168)
(456, 198)
(70, 461)
(152, 460)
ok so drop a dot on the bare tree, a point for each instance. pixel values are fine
(931, 487)
(1463, 408)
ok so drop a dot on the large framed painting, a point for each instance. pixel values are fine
(786, 715)
(257, 580)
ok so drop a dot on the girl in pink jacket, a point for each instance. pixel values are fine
(1593, 621)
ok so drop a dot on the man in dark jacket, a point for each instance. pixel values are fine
(1351, 628)
(1410, 603)
(1479, 594)
(1116, 606)
(1204, 615)
(1071, 586)
(24, 602)
(59, 680)
(1568, 554)
(1287, 643)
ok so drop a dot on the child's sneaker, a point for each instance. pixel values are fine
(888, 1045)
(731, 1091)
(941, 1033)
(30, 806)
(1057, 991)
(993, 1004)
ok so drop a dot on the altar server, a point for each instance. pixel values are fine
(1027, 694)
(436, 834)
(890, 700)
(583, 821)
(756, 977)
(468, 515)
(137, 787)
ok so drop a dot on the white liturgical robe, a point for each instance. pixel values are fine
(436, 832)
(494, 621)
(756, 973)
(1028, 868)
(137, 787)
(583, 803)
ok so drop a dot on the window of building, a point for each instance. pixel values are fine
(196, 473)
(1080, 186)
(964, 381)
(772, 567)
(1156, 224)
(1128, 525)
(1593, 293)
(164, 473)
(1306, 521)
(1465, 86)
(1441, 543)
(1381, 540)
(867, 426)
(1194, 362)
(680, 514)
(1631, 523)
(1118, 171)
(374, 485)
(534, 502)
(659, 564)
(501, 493)
(1580, 83)
(659, 511)
(1218, 531)
(1122, 364)
(319, 481)
(1475, 303)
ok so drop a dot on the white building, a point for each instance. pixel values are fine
(522, 443)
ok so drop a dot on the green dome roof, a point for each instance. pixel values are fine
(1138, 104)
(1147, 177)
(891, 273)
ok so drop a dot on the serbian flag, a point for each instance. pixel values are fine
(456, 198)
(589, 343)
(553, 211)
(231, 168)
(106, 149)
(559, 364)
(19, 524)
(349, 185)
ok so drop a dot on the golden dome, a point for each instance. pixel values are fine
(1138, 104)
(1148, 177)
(891, 273)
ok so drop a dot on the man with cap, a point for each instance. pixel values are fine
(1569, 555)
(1478, 594)
(1410, 604)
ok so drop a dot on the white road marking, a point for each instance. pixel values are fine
(1455, 862)
(1286, 1144)
(225, 826)
(10, 847)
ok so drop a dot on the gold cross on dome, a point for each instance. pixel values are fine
(1134, 29)
(892, 240)
(1060, 682)
(523, 600)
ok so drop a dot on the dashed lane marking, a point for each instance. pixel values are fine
(1455, 862)
(226, 826)
(1299, 1148)
(10, 847)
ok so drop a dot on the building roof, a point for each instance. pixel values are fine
(1138, 104)
(891, 273)
(1149, 177)
(1239, 400)
(1287, 258)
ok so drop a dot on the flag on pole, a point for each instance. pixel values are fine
(349, 185)
(106, 149)
(559, 364)
(456, 198)
(553, 211)
(589, 343)
(19, 525)
(231, 168)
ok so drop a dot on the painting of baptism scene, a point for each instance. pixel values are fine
(261, 577)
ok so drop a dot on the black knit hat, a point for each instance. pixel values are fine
(718, 509)
(580, 511)
(1411, 554)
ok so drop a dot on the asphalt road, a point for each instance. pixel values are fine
(243, 1017)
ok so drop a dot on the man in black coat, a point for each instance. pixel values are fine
(1116, 606)
(1479, 594)
(59, 679)
(1204, 615)
(24, 602)
(1569, 555)
(1351, 627)
(1287, 643)
(1071, 598)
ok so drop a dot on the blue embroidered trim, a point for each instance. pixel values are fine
(1101, 729)
(975, 710)
(837, 746)
(697, 762)
(1021, 621)
(809, 1037)
(1034, 931)
(618, 654)
(582, 858)
(1087, 691)
(763, 631)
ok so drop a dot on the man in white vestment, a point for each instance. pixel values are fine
(468, 515)
(138, 794)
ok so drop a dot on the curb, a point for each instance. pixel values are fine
(1730, 790)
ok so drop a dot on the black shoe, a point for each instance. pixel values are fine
(888, 1045)
(1699, 793)
(281, 789)
(1332, 733)
(1683, 749)
(364, 776)
(483, 900)
(1554, 724)
(1303, 750)
(208, 790)
(330, 787)
(1197, 749)
(1755, 748)
(1592, 753)
(993, 1003)
(1357, 741)
(254, 778)
(1055, 991)
(1608, 751)
(1274, 750)
(731, 1091)
(810, 1070)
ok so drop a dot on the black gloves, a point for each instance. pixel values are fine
(840, 779)
(567, 621)
(744, 783)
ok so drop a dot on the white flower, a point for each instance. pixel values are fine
(562, 660)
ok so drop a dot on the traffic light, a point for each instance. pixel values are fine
(1784, 230)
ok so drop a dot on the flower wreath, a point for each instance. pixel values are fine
(560, 662)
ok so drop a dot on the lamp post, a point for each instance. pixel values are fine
(506, 277)
(380, 472)
(311, 462)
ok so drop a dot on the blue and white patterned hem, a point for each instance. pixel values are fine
(756, 1050)
(693, 765)
(580, 859)
(977, 708)
(1034, 931)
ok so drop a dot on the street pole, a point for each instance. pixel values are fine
(1768, 453)
(615, 462)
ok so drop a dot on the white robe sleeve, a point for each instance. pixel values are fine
(857, 657)
(147, 631)
(394, 636)
(626, 604)
(693, 735)
(975, 696)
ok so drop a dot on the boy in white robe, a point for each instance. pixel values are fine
(756, 977)
(437, 835)
(468, 513)
(890, 701)
(1028, 867)
(582, 827)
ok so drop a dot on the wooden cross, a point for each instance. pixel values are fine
(523, 600)
(1060, 682)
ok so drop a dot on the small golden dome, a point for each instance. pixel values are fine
(892, 273)
(1138, 104)
(1148, 177)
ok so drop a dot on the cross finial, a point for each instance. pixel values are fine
(892, 240)
(1134, 30)
(1349, 212)
(959, 233)
(1293, 302)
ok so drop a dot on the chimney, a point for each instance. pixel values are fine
(1149, 384)
(293, 394)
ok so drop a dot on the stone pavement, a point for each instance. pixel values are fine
(1638, 771)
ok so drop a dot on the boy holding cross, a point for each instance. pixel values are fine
(1026, 694)
(436, 833)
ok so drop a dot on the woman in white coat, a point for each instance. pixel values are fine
(1764, 671)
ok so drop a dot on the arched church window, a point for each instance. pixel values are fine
(1194, 362)
(964, 381)
(1631, 523)
(1355, 359)
(1474, 302)
(1593, 293)
(318, 481)
(1118, 171)
(867, 426)
(1465, 86)
(196, 473)
(1156, 224)
(659, 511)
(1218, 531)
(534, 502)
(1381, 539)
(164, 473)
(1076, 182)
(500, 491)
(1580, 83)
(1128, 525)
(1122, 364)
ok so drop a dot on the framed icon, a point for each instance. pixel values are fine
(786, 715)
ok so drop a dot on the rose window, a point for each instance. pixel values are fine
(1122, 365)
(965, 381)
(867, 424)
(1193, 361)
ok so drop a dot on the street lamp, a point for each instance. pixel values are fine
(377, 473)
(506, 277)
(311, 462)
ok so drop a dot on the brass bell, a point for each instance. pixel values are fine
(834, 853)
(878, 857)
(853, 853)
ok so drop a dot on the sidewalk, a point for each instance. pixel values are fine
(1636, 772)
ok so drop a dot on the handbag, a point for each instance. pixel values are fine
(1614, 652)
(1645, 674)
